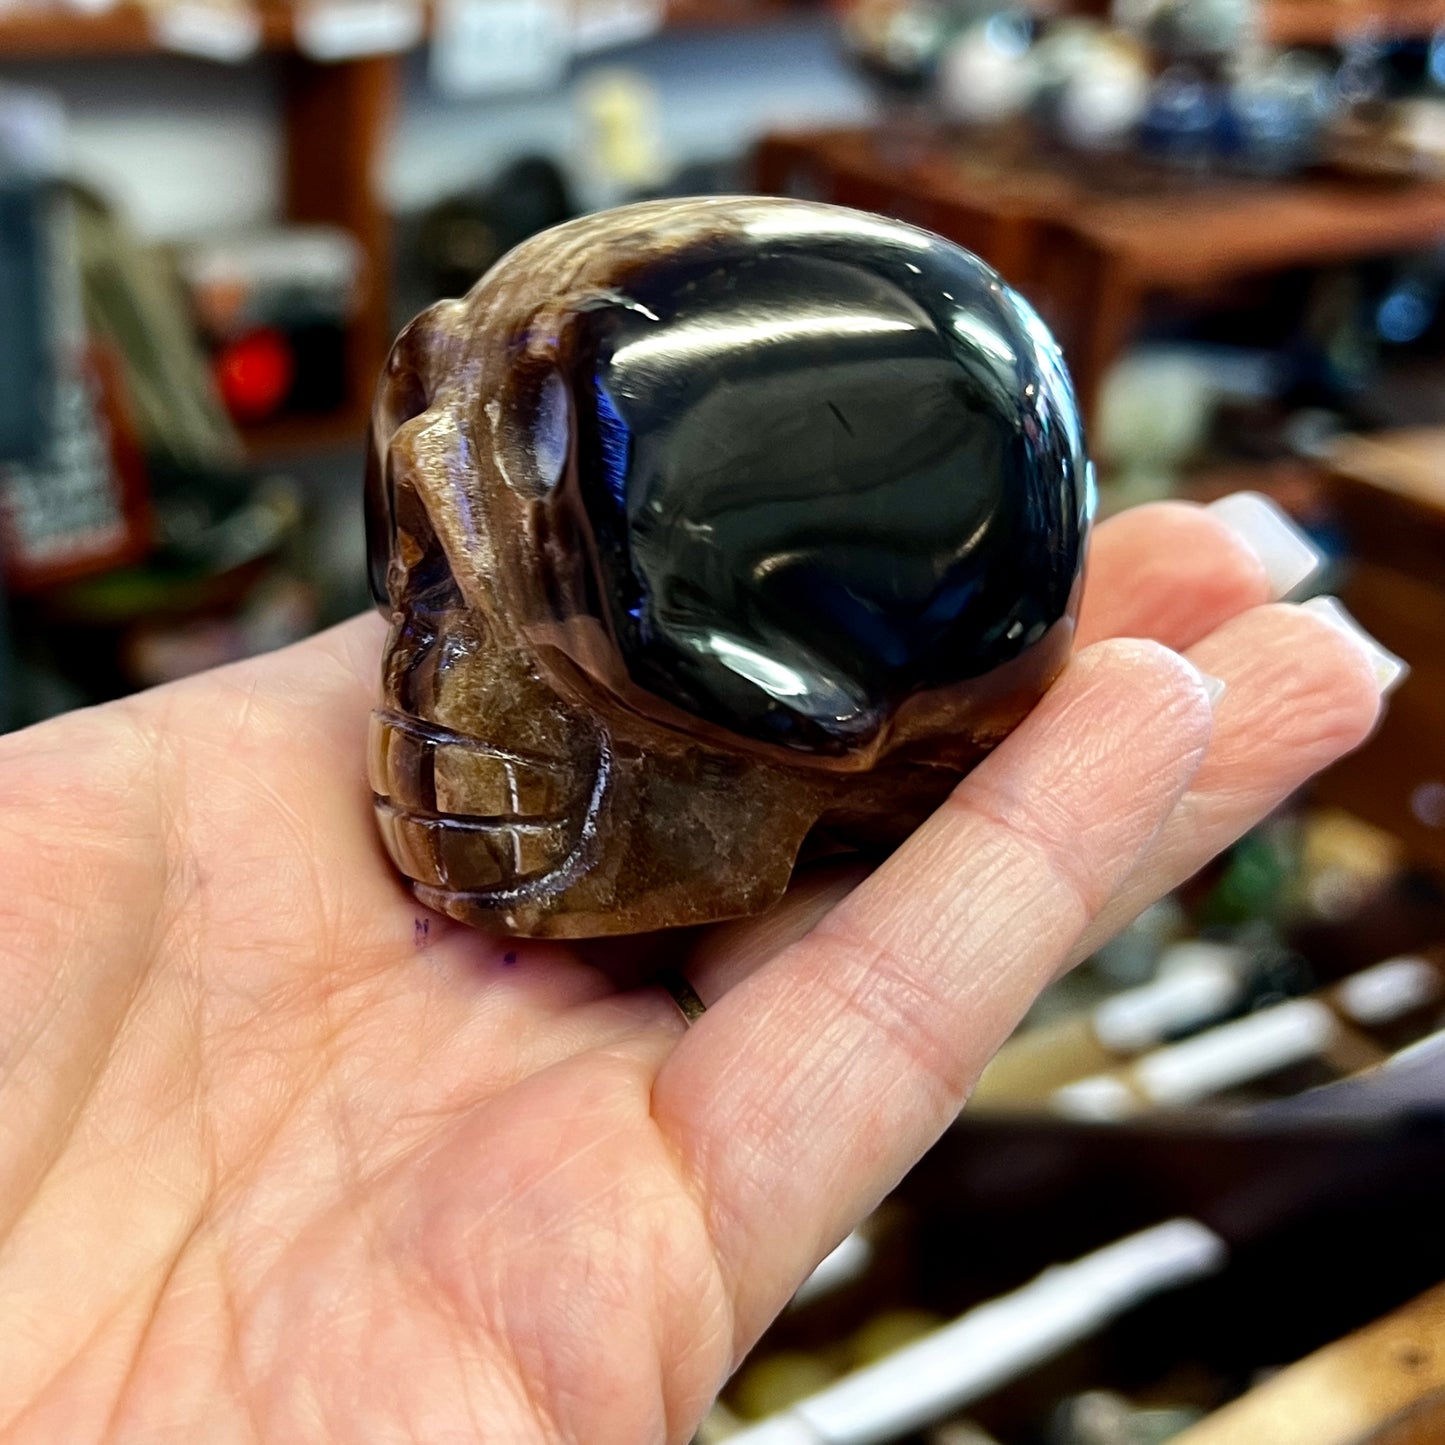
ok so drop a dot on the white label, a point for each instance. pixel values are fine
(482, 47)
(1389, 991)
(347, 29)
(1234, 1054)
(597, 24)
(228, 33)
(1198, 983)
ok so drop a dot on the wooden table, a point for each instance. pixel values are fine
(1091, 245)
(1388, 494)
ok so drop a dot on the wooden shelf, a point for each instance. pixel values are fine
(41, 33)
(44, 33)
(725, 14)
(1327, 22)
(292, 436)
(336, 117)
(1321, 22)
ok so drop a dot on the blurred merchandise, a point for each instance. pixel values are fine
(1332, 1034)
(274, 307)
(31, 140)
(1398, 139)
(483, 47)
(215, 587)
(899, 43)
(135, 304)
(1093, 85)
(1292, 1237)
(623, 153)
(1101, 105)
(1190, 28)
(1185, 122)
(73, 495)
(975, 1354)
(597, 24)
(960, 1432)
(329, 31)
(1101, 1417)
(229, 31)
(986, 74)
(456, 242)
(1196, 982)
(1281, 106)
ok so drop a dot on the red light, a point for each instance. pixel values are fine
(255, 373)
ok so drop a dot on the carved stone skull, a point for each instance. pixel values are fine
(713, 534)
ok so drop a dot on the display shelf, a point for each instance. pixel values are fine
(289, 436)
(1319, 22)
(722, 14)
(36, 33)
(41, 33)
(336, 119)
(1328, 22)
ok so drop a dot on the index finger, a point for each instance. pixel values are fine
(807, 1090)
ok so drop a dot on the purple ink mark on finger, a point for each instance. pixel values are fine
(421, 931)
(510, 958)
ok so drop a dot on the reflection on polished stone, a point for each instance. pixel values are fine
(826, 470)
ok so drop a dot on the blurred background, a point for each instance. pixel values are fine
(214, 215)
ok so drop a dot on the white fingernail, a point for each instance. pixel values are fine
(1288, 555)
(1214, 687)
(1390, 671)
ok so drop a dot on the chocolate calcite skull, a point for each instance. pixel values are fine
(713, 534)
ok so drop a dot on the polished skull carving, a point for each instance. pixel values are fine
(713, 533)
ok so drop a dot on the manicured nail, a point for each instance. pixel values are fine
(1390, 671)
(1214, 687)
(1288, 555)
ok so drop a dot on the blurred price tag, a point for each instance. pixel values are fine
(597, 24)
(230, 33)
(484, 46)
(347, 29)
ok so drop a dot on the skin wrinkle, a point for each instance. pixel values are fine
(63, 1135)
(162, 1285)
(691, 1190)
(474, 1311)
(241, 1393)
(637, 1206)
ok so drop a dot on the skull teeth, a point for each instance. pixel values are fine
(427, 770)
(480, 852)
(457, 811)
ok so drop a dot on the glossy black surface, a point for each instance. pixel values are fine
(824, 470)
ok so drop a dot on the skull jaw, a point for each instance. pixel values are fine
(662, 842)
(613, 825)
(696, 843)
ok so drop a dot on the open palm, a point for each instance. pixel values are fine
(284, 1158)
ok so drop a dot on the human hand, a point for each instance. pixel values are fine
(285, 1159)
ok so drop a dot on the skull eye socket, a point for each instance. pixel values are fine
(551, 431)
